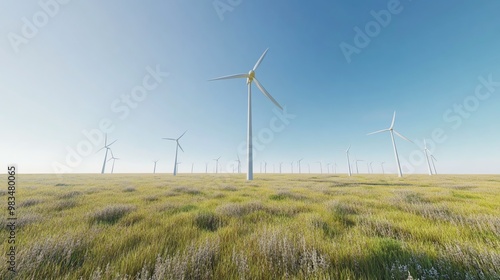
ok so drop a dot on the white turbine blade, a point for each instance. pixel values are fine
(110, 159)
(112, 143)
(260, 60)
(171, 139)
(383, 130)
(100, 149)
(264, 91)
(399, 134)
(425, 145)
(393, 120)
(433, 158)
(237, 76)
(182, 135)
(348, 149)
(180, 146)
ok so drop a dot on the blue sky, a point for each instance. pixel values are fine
(63, 65)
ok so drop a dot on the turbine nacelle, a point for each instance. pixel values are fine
(251, 76)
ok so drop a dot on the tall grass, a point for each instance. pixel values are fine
(276, 227)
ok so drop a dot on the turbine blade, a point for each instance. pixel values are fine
(237, 76)
(180, 146)
(348, 149)
(182, 135)
(393, 120)
(260, 60)
(100, 149)
(433, 158)
(383, 130)
(112, 143)
(264, 91)
(399, 134)
(171, 139)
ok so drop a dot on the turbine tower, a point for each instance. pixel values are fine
(357, 170)
(251, 78)
(154, 168)
(348, 161)
(106, 146)
(176, 150)
(382, 165)
(299, 164)
(392, 131)
(239, 163)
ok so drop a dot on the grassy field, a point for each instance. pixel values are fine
(276, 227)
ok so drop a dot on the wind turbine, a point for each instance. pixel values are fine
(357, 170)
(427, 155)
(106, 146)
(320, 166)
(309, 168)
(239, 164)
(251, 78)
(348, 161)
(176, 150)
(206, 167)
(371, 167)
(265, 167)
(192, 167)
(392, 131)
(154, 168)
(328, 167)
(300, 160)
(113, 159)
(281, 163)
(291, 166)
(382, 165)
(217, 165)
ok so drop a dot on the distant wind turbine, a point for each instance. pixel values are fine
(427, 156)
(106, 146)
(320, 166)
(348, 161)
(299, 165)
(113, 159)
(217, 165)
(176, 149)
(382, 165)
(239, 163)
(251, 78)
(392, 131)
(154, 168)
(371, 167)
(281, 163)
(357, 170)
(291, 166)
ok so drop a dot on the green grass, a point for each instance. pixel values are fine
(275, 227)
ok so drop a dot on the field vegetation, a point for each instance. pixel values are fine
(307, 226)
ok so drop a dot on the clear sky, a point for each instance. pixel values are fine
(341, 68)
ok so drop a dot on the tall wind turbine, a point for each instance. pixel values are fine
(106, 146)
(154, 168)
(281, 163)
(251, 78)
(371, 167)
(176, 149)
(299, 164)
(217, 165)
(113, 159)
(382, 165)
(291, 166)
(348, 161)
(392, 131)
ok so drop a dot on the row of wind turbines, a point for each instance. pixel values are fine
(251, 78)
